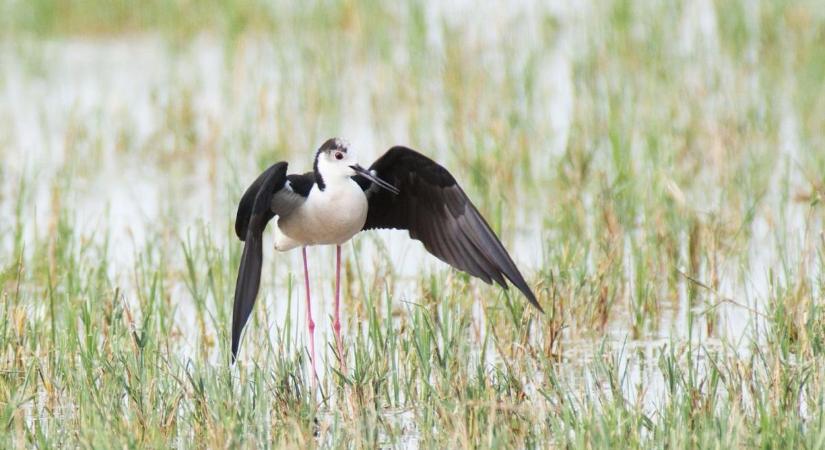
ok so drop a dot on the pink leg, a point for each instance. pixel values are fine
(310, 323)
(336, 324)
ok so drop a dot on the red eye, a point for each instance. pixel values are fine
(339, 156)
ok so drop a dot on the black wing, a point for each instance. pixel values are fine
(437, 212)
(256, 209)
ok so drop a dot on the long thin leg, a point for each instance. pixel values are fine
(336, 324)
(310, 323)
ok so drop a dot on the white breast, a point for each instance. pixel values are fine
(331, 216)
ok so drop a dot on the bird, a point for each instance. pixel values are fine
(403, 190)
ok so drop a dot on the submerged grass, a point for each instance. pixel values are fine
(662, 165)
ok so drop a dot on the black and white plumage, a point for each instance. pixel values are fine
(402, 190)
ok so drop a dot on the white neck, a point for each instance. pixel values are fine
(334, 174)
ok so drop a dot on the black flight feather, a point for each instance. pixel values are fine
(436, 211)
(254, 212)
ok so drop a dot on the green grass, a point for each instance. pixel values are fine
(677, 233)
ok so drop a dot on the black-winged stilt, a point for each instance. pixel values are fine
(402, 190)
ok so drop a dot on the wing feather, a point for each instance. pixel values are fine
(434, 209)
(254, 212)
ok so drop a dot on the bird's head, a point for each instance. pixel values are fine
(335, 162)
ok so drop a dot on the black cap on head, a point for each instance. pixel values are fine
(333, 144)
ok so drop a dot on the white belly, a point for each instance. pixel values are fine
(328, 217)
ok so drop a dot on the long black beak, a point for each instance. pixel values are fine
(368, 175)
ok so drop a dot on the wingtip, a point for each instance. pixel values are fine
(528, 293)
(535, 302)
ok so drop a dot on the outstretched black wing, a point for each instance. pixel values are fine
(437, 212)
(269, 194)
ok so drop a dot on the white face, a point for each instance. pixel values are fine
(335, 164)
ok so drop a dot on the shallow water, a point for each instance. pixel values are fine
(90, 114)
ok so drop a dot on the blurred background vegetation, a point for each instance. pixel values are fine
(656, 168)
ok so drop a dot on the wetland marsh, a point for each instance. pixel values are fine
(656, 170)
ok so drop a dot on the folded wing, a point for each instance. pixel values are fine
(257, 207)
